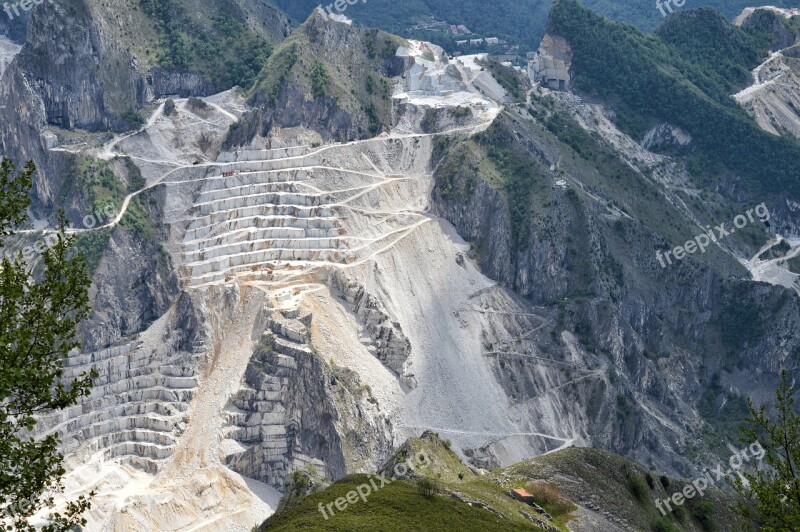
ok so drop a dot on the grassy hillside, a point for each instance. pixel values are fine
(568, 485)
(397, 506)
(400, 504)
(627, 491)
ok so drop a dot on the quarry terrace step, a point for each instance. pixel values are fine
(270, 397)
(253, 234)
(141, 463)
(90, 425)
(208, 215)
(228, 225)
(252, 432)
(285, 177)
(245, 246)
(289, 187)
(107, 440)
(246, 260)
(144, 449)
(128, 362)
(300, 162)
(259, 154)
(134, 396)
(288, 328)
(266, 412)
(104, 354)
(290, 348)
(124, 368)
(223, 201)
(144, 383)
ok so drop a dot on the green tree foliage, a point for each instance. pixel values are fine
(703, 513)
(319, 79)
(13, 195)
(226, 52)
(507, 77)
(638, 488)
(772, 494)
(39, 311)
(653, 80)
(277, 72)
(518, 22)
(521, 174)
(169, 107)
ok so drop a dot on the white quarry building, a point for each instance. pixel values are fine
(550, 65)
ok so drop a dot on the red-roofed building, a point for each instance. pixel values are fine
(522, 495)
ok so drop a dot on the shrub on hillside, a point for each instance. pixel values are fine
(549, 497)
(197, 103)
(427, 487)
(319, 79)
(703, 513)
(638, 488)
(169, 107)
(133, 118)
(662, 525)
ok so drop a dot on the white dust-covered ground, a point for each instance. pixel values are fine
(774, 271)
(8, 51)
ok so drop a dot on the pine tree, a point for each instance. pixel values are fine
(41, 305)
(772, 494)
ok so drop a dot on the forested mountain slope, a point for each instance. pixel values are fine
(516, 21)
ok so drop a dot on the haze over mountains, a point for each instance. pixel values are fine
(337, 247)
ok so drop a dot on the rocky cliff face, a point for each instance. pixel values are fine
(582, 256)
(84, 65)
(291, 275)
(297, 413)
(86, 80)
(332, 77)
(183, 84)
